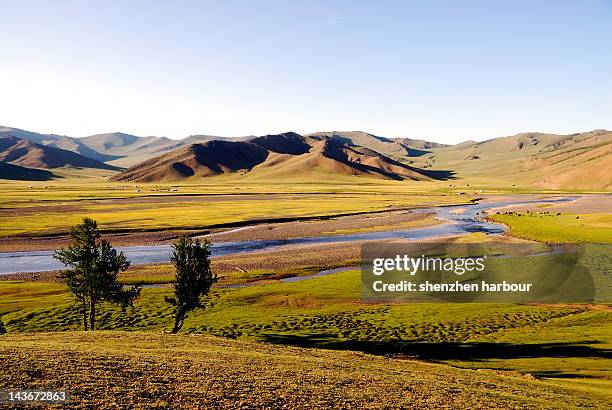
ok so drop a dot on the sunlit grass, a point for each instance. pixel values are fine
(563, 228)
(326, 312)
(152, 207)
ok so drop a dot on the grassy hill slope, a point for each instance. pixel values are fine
(550, 161)
(108, 369)
(396, 148)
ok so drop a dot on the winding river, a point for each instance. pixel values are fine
(459, 220)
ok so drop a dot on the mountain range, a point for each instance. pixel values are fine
(26, 153)
(281, 155)
(581, 160)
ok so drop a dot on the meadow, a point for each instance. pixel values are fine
(558, 227)
(47, 208)
(557, 342)
(536, 355)
(149, 207)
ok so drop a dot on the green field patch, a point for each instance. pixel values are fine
(558, 227)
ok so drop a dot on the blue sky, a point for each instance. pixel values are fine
(443, 70)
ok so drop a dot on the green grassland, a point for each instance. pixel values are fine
(18, 296)
(557, 342)
(38, 208)
(563, 228)
(175, 214)
(144, 207)
(166, 274)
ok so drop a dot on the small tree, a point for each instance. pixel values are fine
(95, 265)
(194, 277)
(2, 328)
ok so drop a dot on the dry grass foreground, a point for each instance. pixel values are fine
(147, 370)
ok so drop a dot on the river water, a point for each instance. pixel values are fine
(460, 219)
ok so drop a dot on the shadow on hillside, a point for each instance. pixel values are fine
(415, 152)
(441, 175)
(476, 351)
(19, 173)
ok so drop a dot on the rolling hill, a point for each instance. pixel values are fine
(208, 159)
(116, 148)
(552, 161)
(281, 155)
(126, 150)
(56, 141)
(536, 160)
(27, 154)
(397, 148)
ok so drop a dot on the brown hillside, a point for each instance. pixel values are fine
(396, 148)
(28, 154)
(583, 161)
(207, 159)
(366, 161)
(574, 161)
(286, 143)
(287, 154)
(127, 150)
(393, 148)
(56, 141)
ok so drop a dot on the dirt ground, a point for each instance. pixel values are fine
(303, 229)
(42, 243)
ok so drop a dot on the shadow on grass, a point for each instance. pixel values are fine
(476, 351)
(556, 374)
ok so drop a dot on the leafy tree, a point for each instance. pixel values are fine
(194, 277)
(94, 266)
(2, 328)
